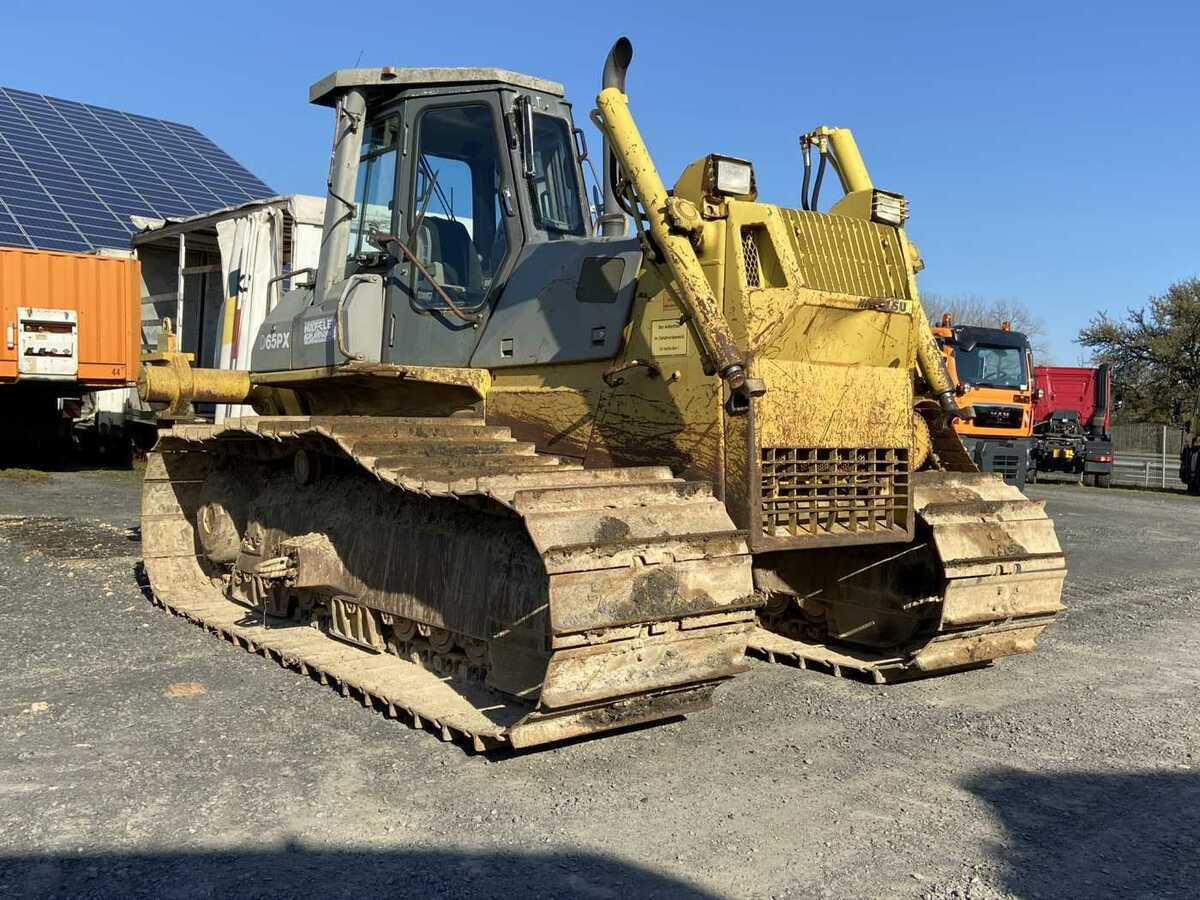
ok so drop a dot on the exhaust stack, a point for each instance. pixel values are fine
(612, 220)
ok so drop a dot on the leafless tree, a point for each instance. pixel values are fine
(971, 309)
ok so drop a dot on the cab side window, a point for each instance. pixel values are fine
(553, 183)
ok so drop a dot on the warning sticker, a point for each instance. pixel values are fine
(668, 337)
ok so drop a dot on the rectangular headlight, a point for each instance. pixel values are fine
(888, 208)
(734, 177)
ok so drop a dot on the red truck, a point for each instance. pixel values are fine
(1071, 416)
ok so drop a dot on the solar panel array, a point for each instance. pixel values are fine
(71, 175)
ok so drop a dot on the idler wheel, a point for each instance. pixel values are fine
(218, 533)
(476, 651)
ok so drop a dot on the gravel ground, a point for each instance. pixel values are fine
(1073, 772)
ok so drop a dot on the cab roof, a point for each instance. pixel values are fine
(326, 91)
(970, 335)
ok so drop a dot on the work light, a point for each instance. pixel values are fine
(733, 177)
(888, 208)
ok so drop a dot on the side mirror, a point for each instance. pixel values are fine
(1039, 394)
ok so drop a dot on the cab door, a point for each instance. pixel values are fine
(454, 211)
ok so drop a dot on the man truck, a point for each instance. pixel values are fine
(992, 369)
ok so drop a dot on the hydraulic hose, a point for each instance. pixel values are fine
(806, 152)
(816, 194)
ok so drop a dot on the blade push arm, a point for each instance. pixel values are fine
(678, 255)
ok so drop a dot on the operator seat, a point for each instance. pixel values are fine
(457, 254)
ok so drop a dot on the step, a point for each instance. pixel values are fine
(616, 526)
(408, 446)
(448, 451)
(611, 496)
(456, 467)
(572, 474)
(369, 430)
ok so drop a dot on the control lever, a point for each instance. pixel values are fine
(383, 241)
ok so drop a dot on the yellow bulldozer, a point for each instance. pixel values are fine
(517, 476)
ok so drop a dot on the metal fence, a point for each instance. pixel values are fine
(1147, 470)
(1147, 438)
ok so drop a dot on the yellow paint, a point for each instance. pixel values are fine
(833, 406)
(230, 319)
(691, 287)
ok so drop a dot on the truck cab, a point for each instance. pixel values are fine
(993, 371)
(1071, 422)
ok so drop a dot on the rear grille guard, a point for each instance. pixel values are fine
(835, 492)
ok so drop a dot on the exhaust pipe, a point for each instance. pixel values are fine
(612, 220)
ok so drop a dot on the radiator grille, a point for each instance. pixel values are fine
(750, 257)
(845, 255)
(834, 491)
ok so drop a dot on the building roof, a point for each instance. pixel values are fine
(72, 175)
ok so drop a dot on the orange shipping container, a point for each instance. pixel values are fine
(69, 317)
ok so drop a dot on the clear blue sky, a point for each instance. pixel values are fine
(1051, 151)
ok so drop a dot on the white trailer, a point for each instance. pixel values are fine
(215, 276)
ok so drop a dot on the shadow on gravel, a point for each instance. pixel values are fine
(63, 537)
(300, 871)
(1097, 835)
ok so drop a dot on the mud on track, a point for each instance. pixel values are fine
(1073, 771)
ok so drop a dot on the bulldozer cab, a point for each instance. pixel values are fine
(457, 186)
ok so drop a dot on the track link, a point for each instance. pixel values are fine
(613, 543)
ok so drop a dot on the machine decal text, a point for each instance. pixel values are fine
(318, 331)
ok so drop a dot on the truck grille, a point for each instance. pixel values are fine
(989, 416)
(810, 491)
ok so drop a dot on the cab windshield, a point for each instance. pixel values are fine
(988, 366)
